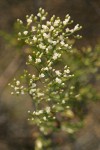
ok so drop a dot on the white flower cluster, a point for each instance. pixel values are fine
(41, 116)
(49, 40)
(18, 88)
(50, 37)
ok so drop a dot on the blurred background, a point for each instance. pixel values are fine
(15, 131)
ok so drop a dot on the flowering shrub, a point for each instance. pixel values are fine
(58, 78)
(50, 83)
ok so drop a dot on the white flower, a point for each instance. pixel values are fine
(76, 27)
(34, 112)
(67, 71)
(47, 50)
(29, 20)
(56, 23)
(54, 117)
(39, 144)
(42, 75)
(25, 32)
(50, 47)
(61, 37)
(45, 27)
(63, 101)
(46, 35)
(40, 94)
(20, 21)
(16, 88)
(34, 39)
(19, 33)
(66, 20)
(42, 11)
(30, 81)
(33, 28)
(17, 92)
(43, 18)
(58, 80)
(29, 111)
(39, 15)
(51, 28)
(67, 30)
(56, 33)
(63, 84)
(22, 92)
(40, 111)
(42, 46)
(40, 40)
(30, 58)
(50, 41)
(48, 109)
(38, 60)
(44, 118)
(48, 23)
(65, 67)
(65, 75)
(17, 83)
(35, 18)
(66, 45)
(33, 85)
(37, 113)
(54, 42)
(46, 68)
(32, 91)
(50, 63)
(42, 129)
(62, 43)
(33, 76)
(56, 55)
(11, 85)
(58, 72)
